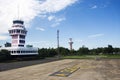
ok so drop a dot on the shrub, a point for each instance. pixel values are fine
(5, 55)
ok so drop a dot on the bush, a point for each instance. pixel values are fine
(44, 52)
(5, 55)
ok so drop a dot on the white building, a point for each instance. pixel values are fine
(18, 33)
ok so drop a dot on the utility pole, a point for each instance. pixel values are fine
(58, 44)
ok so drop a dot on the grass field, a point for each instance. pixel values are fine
(92, 57)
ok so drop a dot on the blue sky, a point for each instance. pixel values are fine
(93, 23)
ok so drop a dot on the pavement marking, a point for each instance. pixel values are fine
(61, 75)
(87, 67)
(66, 71)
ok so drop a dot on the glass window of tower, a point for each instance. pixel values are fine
(22, 36)
(18, 31)
(21, 31)
(22, 41)
(13, 31)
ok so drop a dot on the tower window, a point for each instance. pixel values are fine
(21, 45)
(18, 21)
(18, 51)
(22, 36)
(22, 31)
(13, 31)
(22, 41)
(18, 31)
(9, 31)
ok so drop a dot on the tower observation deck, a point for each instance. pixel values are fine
(18, 33)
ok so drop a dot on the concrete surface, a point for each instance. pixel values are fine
(106, 69)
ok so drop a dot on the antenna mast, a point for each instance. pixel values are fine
(18, 12)
(58, 44)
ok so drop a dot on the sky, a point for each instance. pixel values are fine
(92, 23)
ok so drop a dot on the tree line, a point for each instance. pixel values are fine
(52, 52)
(109, 50)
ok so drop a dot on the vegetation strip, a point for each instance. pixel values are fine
(92, 57)
(66, 71)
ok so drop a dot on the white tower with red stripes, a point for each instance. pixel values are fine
(18, 33)
(70, 42)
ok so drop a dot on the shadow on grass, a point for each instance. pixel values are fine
(20, 64)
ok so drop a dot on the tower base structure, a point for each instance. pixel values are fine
(21, 50)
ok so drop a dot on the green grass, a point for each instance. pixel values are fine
(113, 56)
(92, 57)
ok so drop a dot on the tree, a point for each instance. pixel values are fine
(116, 50)
(52, 52)
(83, 50)
(110, 49)
(7, 44)
(96, 51)
(42, 52)
(93, 51)
(4, 55)
(73, 52)
(64, 51)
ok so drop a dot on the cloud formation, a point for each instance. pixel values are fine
(3, 37)
(57, 21)
(27, 10)
(51, 17)
(95, 35)
(94, 7)
(39, 28)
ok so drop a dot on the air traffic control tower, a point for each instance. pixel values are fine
(18, 33)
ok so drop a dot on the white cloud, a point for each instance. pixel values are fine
(55, 5)
(55, 24)
(58, 21)
(42, 16)
(95, 35)
(28, 10)
(51, 17)
(94, 7)
(3, 37)
(78, 40)
(39, 28)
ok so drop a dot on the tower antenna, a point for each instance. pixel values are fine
(58, 44)
(18, 12)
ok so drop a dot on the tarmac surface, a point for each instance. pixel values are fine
(78, 69)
